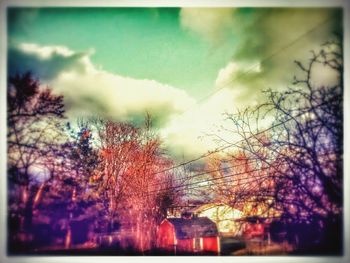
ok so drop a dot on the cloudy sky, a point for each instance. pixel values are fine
(186, 66)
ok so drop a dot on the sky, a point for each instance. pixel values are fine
(185, 66)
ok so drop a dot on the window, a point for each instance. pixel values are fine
(197, 244)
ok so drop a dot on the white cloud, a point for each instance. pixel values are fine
(210, 23)
(265, 45)
(46, 62)
(190, 133)
(184, 125)
(45, 52)
(227, 74)
(120, 97)
(92, 91)
(325, 76)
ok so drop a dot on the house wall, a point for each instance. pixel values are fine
(208, 244)
(211, 244)
(184, 245)
(166, 240)
(166, 236)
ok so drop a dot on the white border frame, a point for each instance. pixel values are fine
(171, 3)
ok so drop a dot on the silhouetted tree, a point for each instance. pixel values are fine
(71, 202)
(34, 131)
(301, 149)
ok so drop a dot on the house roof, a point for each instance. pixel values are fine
(194, 227)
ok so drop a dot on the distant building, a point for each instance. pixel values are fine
(255, 227)
(188, 234)
(224, 216)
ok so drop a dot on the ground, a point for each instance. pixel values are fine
(230, 246)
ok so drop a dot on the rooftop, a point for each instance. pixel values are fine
(193, 227)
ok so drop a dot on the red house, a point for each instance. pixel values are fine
(188, 235)
(255, 227)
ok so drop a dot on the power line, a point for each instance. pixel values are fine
(231, 181)
(248, 161)
(244, 180)
(242, 140)
(213, 179)
(234, 144)
(231, 81)
(222, 177)
(268, 58)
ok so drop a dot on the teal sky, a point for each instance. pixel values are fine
(238, 52)
(142, 43)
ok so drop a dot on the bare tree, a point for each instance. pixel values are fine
(299, 155)
(131, 177)
(34, 127)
